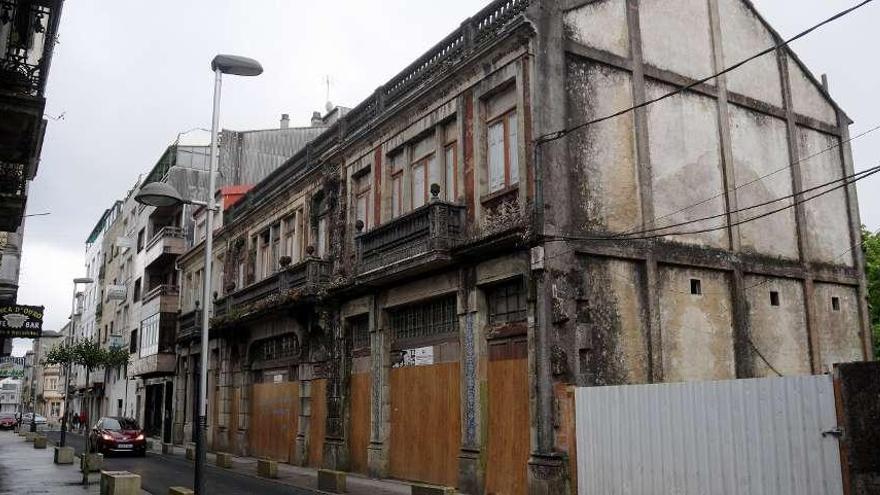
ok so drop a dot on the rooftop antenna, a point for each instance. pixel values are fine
(328, 106)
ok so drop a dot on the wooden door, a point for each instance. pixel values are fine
(274, 419)
(317, 423)
(359, 429)
(508, 429)
(425, 423)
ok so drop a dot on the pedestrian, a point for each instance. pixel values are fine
(83, 420)
(74, 419)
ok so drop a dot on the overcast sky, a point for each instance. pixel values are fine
(129, 75)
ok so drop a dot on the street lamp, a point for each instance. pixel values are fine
(66, 414)
(161, 194)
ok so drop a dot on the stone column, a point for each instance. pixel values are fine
(338, 369)
(380, 364)
(471, 459)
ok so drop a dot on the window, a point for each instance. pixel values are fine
(150, 336)
(140, 240)
(422, 155)
(133, 342)
(774, 298)
(275, 253)
(136, 293)
(281, 347)
(696, 287)
(503, 154)
(360, 332)
(450, 169)
(264, 262)
(321, 240)
(293, 236)
(362, 199)
(835, 303)
(429, 319)
(507, 302)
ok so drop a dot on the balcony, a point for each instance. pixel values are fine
(13, 195)
(161, 363)
(417, 241)
(163, 247)
(280, 289)
(161, 299)
(189, 325)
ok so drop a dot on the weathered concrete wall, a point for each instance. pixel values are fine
(676, 36)
(778, 333)
(807, 98)
(743, 35)
(697, 329)
(603, 156)
(686, 160)
(759, 148)
(838, 330)
(611, 323)
(600, 25)
(827, 228)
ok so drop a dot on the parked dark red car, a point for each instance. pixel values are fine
(7, 421)
(115, 434)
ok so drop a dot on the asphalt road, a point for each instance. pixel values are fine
(159, 472)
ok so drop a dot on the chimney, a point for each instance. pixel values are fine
(317, 121)
(285, 121)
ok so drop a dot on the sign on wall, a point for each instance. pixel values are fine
(115, 292)
(21, 321)
(12, 367)
(422, 356)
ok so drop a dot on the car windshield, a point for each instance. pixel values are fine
(117, 424)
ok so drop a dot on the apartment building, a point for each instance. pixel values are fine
(411, 294)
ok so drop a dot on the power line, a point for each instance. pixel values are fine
(866, 172)
(553, 136)
(788, 167)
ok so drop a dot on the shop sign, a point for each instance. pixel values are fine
(21, 321)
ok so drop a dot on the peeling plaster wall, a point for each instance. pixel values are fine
(600, 25)
(697, 330)
(610, 321)
(686, 160)
(743, 35)
(827, 229)
(839, 340)
(759, 148)
(676, 36)
(603, 156)
(778, 332)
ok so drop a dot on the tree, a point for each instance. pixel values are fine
(62, 355)
(871, 247)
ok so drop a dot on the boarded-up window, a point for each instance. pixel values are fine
(502, 135)
(507, 302)
(428, 319)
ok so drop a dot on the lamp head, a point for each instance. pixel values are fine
(158, 194)
(83, 280)
(237, 66)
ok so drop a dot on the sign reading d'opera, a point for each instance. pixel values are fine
(21, 321)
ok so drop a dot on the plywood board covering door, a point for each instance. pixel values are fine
(426, 423)
(317, 423)
(359, 433)
(274, 420)
(508, 432)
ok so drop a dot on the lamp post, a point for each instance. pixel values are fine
(66, 413)
(163, 194)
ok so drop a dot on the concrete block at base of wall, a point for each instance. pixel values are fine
(167, 448)
(40, 442)
(149, 445)
(331, 481)
(120, 483)
(224, 460)
(96, 462)
(63, 455)
(267, 468)
(29, 436)
(191, 452)
(420, 489)
(180, 490)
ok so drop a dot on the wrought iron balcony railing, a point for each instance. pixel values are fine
(433, 228)
(166, 233)
(302, 279)
(13, 195)
(27, 37)
(161, 290)
(189, 325)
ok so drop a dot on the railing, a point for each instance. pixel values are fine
(306, 276)
(13, 190)
(436, 226)
(189, 325)
(28, 37)
(168, 232)
(162, 290)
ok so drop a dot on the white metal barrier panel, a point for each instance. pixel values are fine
(764, 436)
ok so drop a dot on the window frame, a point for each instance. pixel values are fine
(453, 147)
(504, 119)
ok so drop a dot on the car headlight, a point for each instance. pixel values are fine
(140, 437)
(106, 437)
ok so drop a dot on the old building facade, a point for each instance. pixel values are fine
(411, 294)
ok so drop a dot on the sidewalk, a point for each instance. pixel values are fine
(303, 477)
(25, 470)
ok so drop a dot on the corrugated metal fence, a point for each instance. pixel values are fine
(761, 436)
